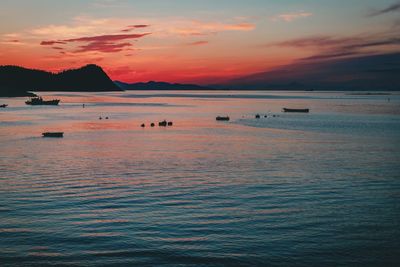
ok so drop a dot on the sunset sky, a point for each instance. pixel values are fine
(192, 41)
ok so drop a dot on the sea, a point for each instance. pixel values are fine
(287, 189)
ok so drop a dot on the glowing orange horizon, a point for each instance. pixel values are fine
(179, 43)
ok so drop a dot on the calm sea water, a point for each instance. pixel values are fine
(317, 189)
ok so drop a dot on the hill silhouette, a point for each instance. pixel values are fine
(160, 86)
(18, 81)
(372, 72)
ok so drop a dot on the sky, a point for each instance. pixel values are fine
(202, 42)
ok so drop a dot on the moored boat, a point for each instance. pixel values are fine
(304, 110)
(39, 101)
(53, 134)
(3, 105)
(222, 118)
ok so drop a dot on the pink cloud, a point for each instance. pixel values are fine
(197, 43)
(100, 46)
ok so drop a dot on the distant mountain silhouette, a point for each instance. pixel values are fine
(373, 73)
(376, 73)
(17, 81)
(160, 86)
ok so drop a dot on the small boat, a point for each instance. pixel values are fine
(39, 101)
(53, 134)
(3, 105)
(170, 123)
(162, 123)
(221, 118)
(152, 124)
(304, 110)
(257, 116)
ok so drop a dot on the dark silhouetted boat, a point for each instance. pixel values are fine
(222, 118)
(39, 101)
(3, 105)
(53, 134)
(304, 110)
(162, 123)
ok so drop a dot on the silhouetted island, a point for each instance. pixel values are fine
(18, 81)
(160, 86)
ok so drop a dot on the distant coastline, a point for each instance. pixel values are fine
(160, 86)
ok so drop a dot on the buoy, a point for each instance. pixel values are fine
(143, 125)
(152, 124)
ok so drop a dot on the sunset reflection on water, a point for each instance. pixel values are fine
(202, 190)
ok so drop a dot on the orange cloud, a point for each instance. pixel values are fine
(199, 28)
(289, 17)
(239, 27)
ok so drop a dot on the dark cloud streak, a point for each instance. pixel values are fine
(100, 43)
(52, 42)
(138, 26)
(392, 8)
(316, 41)
(107, 38)
(333, 55)
(388, 41)
(133, 27)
